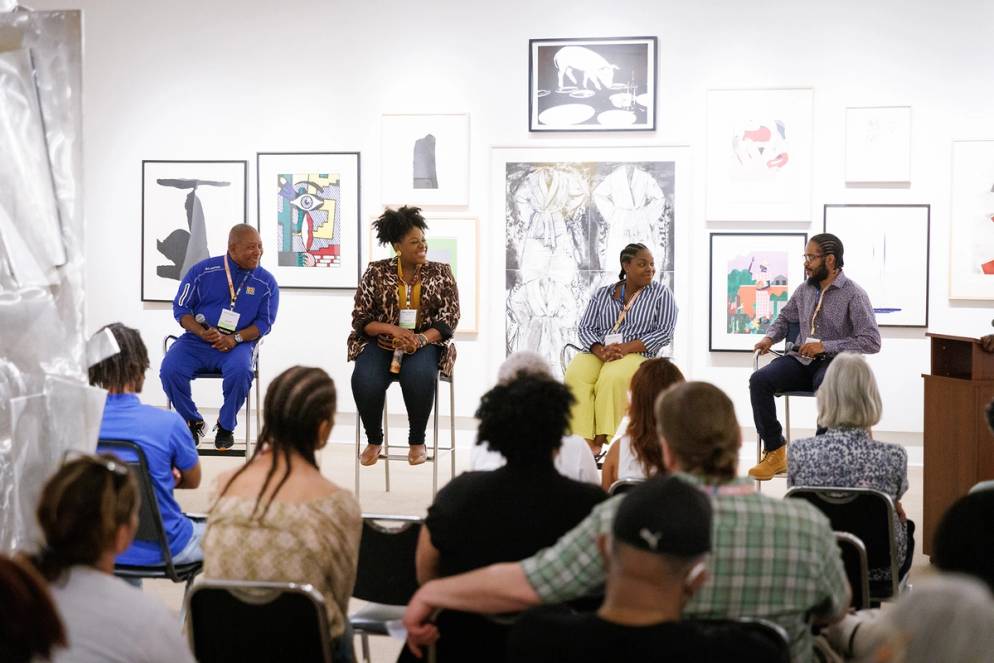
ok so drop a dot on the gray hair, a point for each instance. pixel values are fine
(524, 362)
(946, 618)
(849, 396)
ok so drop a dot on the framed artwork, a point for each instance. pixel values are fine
(308, 206)
(752, 277)
(592, 84)
(971, 222)
(759, 155)
(878, 145)
(453, 240)
(887, 254)
(188, 208)
(567, 214)
(425, 159)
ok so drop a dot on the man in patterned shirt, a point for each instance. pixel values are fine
(774, 559)
(834, 315)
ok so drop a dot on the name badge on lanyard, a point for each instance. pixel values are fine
(408, 318)
(228, 322)
(611, 339)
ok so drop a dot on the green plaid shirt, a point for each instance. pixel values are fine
(773, 559)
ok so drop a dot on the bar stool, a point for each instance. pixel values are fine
(385, 454)
(216, 375)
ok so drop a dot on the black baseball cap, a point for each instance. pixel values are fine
(665, 515)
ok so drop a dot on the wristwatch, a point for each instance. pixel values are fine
(238, 338)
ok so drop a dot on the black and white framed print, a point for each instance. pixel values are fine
(604, 84)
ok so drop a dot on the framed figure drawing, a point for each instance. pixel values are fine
(425, 159)
(308, 206)
(759, 155)
(971, 223)
(887, 254)
(188, 207)
(592, 84)
(878, 145)
(453, 240)
(752, 277)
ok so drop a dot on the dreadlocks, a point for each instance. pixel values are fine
(126, 369)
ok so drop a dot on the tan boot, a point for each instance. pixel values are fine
(773, 463)
(370, 455)
(417, 454)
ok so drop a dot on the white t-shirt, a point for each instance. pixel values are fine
(109, 621)
(629, 466)
(574, 460)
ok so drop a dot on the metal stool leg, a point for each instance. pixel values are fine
(786, 407)
(358, 425)
(386, 444)
(434, 445)
(452, 425)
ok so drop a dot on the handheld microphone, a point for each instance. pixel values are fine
(202, 320)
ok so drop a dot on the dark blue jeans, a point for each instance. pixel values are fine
(780, 375)
(372, 376)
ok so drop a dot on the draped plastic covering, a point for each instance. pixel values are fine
(46, 405)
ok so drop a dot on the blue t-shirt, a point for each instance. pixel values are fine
(167, 443)
(204, 289)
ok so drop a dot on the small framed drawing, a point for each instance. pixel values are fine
(752, 277)
(425, 159)
(878, 145)
(188, 207)
(453, 240)
(759, 155)
(886, 253)
(308, 206)
(971, 222)
(592, 84)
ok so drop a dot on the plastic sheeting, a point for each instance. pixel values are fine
(46, 405)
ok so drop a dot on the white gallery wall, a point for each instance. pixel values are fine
(195, 80)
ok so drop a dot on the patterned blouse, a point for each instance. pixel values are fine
(376, 301)
(850, 458)
(314, 542)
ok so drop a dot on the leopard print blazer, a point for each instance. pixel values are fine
(376, 301)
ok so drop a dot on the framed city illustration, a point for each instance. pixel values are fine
(752, 277)
(308, 206)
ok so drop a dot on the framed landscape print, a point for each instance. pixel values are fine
(971, 223)
(759, 155)
(308, 206)
(878, 145)
(606, 84)
(188, 207)
(425, 159)
(886, 252)
(752, 277)
(453, 240)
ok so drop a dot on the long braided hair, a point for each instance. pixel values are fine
(127, 367)
(627, 254)
(297, 402)
(830, 245)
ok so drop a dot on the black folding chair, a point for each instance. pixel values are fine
(386, 576)
(232, 621)
(857, 569)
(623, 486)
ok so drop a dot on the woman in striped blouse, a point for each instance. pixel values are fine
(624, 324)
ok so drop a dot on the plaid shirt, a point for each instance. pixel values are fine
(770, 558)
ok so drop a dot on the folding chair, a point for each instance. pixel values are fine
(386, 576)
(857, 568)
(216, 375)
(150, 527)
(385, 454)
(869, 515)
(262, 621)
(623, 486)
(982, 485)
(761, 639)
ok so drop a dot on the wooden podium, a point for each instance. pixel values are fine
(959, 447)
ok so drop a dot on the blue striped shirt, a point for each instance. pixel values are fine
(650, 320)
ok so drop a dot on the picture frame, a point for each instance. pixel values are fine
(452, 239)
(425, 159)
(971, 221)
(592, 84)
(878, 145)
(188, 208)
(752, 276)
(308, 206)
(886, 252)
(759, 155)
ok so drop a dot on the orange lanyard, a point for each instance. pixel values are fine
(409, 298)
(624, 311)
(231, 285)
(814, 315)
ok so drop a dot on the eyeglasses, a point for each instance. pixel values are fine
(808, 257)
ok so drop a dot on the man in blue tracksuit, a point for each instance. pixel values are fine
(225, 304)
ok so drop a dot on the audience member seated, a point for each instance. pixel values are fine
(964, 539)
(846, 456)
(30, 627)
(637, 454)
(573, 459)
(481, 518)
(277, 518)
(163, 436)
(88, 513)
(771, 558)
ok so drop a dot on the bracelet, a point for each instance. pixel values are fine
(422, 340)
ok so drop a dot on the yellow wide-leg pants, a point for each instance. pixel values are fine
(601, 393)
